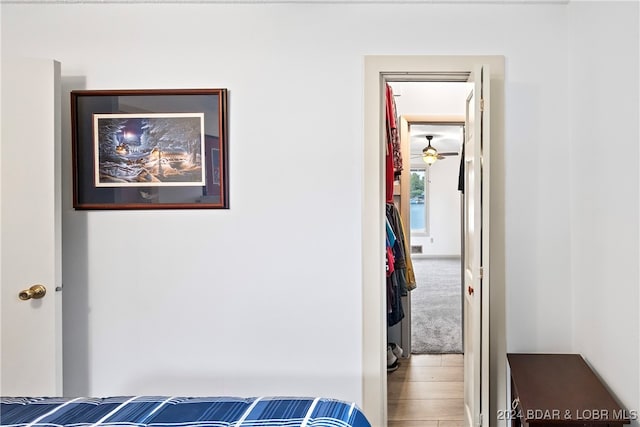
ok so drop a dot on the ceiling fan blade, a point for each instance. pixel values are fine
(448, 154)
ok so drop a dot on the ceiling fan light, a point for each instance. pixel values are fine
(429, 155)
(429, 159)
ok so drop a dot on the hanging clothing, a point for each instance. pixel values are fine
(395, 311)
(401, 249)
(409, 271)
(390, 242)
(393, 133)
(399, 282)
(393, 159)
(461, 172)
(399, 270)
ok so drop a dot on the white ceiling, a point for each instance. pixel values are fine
(446, 138)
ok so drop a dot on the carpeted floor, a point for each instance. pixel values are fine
(436, 307)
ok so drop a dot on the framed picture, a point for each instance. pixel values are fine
(149, 149)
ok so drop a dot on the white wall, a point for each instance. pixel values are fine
(443, 239)
(536, 188)
(265, 298)
(604, 103)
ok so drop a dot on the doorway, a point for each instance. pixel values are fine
(435, 237)
(427, 386)
(431, 68)
(432, 114)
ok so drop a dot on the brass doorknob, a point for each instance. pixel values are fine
(35, 292)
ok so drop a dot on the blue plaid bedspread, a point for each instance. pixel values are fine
(155, 411)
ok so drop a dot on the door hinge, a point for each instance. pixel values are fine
(481, 275)
(481, 104)
(480, 421)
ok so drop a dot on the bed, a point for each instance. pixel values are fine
(163, 411)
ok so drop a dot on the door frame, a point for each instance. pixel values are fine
(374, 325)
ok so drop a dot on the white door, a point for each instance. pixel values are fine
(31, 352)
(476, 251)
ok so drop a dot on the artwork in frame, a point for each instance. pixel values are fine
(149, 149)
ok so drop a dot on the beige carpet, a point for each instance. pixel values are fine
(436, 307)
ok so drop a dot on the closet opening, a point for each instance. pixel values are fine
(426, 382)
(485, 384)
(435, 239)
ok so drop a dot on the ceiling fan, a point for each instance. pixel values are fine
(430, 154)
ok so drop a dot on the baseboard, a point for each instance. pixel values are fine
(428, 256)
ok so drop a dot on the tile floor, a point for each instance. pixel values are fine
(427, 391)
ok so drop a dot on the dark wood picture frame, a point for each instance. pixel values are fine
(150, 149)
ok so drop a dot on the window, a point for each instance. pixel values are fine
(418, 200)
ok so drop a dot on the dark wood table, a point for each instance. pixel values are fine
(559, 389)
